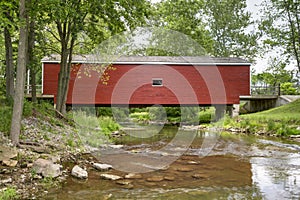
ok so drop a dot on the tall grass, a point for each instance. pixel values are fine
(93, 130)
(108, 125)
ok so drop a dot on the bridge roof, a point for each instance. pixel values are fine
(153, 60)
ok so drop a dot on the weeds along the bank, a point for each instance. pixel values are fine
(9, 193)
(93, 130)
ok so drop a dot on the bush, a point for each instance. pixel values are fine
(104, 111)
(206, 115)
(108, 125)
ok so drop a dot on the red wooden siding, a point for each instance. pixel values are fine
(132, 84)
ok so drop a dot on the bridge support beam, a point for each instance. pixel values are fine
(231, 110)
(219, 112)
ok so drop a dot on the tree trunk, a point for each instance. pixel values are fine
(63, 80)
(296, 11)
(21, 73)
(9, 71)
(31, 39)
(293, 35)
(65, 68)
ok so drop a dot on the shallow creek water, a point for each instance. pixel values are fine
(192, 165)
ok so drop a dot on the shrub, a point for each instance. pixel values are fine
(108, 125)
(205, 118)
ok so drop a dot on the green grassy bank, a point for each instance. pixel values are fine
(280, 121)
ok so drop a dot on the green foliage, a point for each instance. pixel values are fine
(33, 172)
(27, 108)
(182, 16)
(6, 115)
(280, 28)
(140, 116)
(2, 81)
(85, 120)
(278, 121)
(228, 21)
(9, 194)
(49, 182)
(70, 142)
(104, 111)
(93, 130)
(108, 125)
(271, 125)
(206, 115)
(275, 74)
(288, 89)
(133, 110)
(190, 115)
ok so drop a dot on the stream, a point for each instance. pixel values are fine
(188, 164)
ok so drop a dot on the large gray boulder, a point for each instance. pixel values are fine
(46, 168)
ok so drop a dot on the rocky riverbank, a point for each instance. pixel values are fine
(37, 163)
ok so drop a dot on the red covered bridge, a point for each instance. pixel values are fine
(149, 80)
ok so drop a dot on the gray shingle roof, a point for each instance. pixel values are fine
(176, 60)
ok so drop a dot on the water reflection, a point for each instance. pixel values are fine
(277, 175)
(238, 167)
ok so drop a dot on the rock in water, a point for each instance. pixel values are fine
(184, 169)
(133, 176)
(78, 172)
(169, 178)
(102, 167)
(155, 179)
(122, 182)
(110, 177)
(47, 168)
(200, 176)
